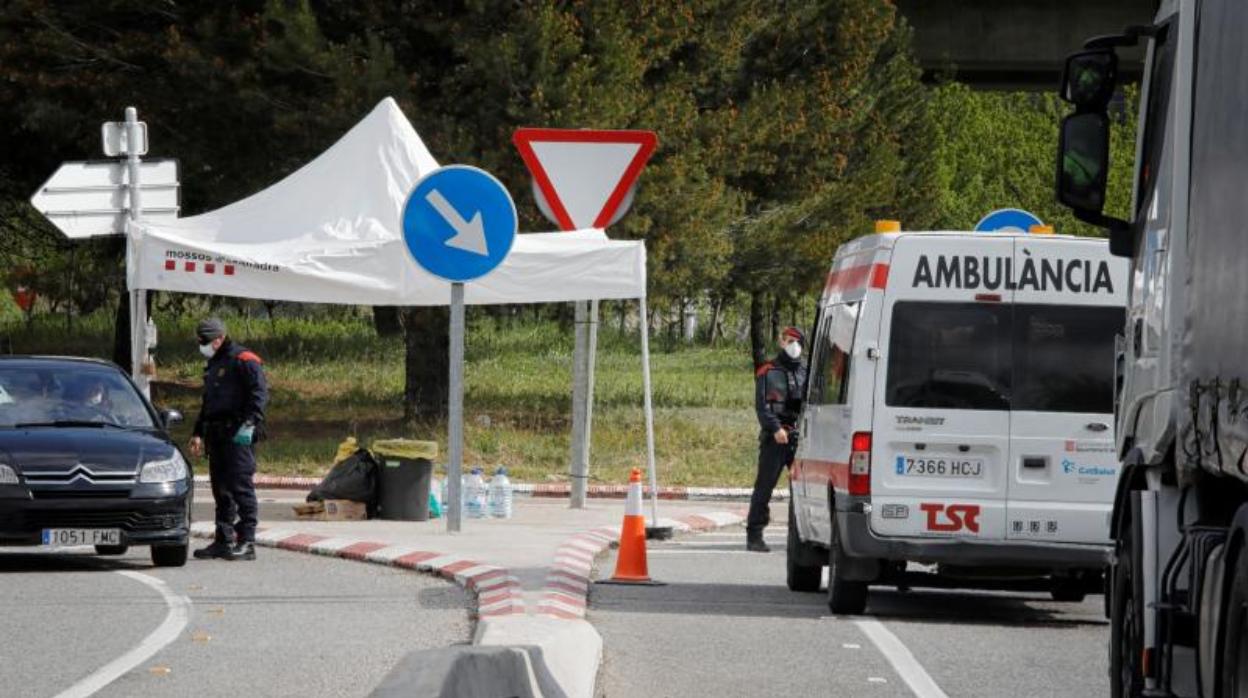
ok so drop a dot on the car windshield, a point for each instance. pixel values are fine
(68, 395)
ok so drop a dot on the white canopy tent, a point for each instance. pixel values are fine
(331, 232)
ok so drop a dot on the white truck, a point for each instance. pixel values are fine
(958, 414)
(1178, 583)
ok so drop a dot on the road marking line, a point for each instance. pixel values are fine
(904, 663)
(718, 551)
(168, 631)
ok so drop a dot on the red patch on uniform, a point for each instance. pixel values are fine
(763, 369)
(249, 356)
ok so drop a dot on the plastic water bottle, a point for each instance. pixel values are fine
(474, 495)
(500, 494)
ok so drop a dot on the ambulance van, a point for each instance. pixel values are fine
(958, 414)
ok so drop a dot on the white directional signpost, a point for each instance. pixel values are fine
(89, 199)
(585, 179)
(459, 223)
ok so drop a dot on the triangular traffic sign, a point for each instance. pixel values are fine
(585, 176)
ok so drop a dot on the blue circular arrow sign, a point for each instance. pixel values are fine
(1006, 220)
(459, 223)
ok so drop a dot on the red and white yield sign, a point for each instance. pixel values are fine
(584, 178)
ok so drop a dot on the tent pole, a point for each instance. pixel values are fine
(578, 470)
(649, 409)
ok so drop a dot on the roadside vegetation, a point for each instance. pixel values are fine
(333, 378)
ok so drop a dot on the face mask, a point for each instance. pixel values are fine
(793, 349)
(96, 399)
(207, 350)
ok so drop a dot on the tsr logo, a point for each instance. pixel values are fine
(956, 517)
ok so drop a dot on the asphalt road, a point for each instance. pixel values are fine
(726, 625)
(286, 624)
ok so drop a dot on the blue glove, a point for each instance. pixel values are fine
(246, 434)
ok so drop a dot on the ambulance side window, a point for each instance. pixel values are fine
(830, 375)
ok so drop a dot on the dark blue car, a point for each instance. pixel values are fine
(85, 460)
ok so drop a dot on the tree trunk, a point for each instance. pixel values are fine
(717, 309)
(121, 332)
(427, 362)
(386, 321)
(775, 317)
(758, 339)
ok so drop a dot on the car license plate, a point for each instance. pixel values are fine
(81, 536)
(940, 467)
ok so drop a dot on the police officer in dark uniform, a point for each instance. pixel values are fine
(230, 422)
(778, 389)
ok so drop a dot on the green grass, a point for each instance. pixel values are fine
(331, 378)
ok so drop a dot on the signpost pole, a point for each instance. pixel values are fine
(455, 410)
(138, 300)
(591, 353)
(579, 466)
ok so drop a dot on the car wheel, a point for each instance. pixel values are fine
(800, 574)
(845, 597)
(170, 555)
(111, 549)
(1235, 632)
(1126, 675)
(1072, 589)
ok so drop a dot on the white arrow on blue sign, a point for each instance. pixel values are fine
(1008, 220)
(459, 223)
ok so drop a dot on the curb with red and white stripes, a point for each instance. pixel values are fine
(566, 593)
(496, 590)
(555, 490)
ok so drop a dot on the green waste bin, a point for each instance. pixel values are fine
(404, 478)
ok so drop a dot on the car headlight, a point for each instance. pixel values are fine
(8, 476)
(167, 470)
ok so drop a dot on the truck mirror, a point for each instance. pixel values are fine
(1083, 162)
(1090, 78)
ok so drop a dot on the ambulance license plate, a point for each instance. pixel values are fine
(940, 467)
(81, 536)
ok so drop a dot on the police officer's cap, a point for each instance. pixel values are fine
(209, 330)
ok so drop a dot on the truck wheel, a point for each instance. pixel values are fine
(799, 573)
(1126, 641)
(845, 597)
(1235, 633)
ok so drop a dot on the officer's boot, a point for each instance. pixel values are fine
(217, 549)
(754, 542)
(243, 550)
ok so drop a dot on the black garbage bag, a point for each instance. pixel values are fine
(353, 478)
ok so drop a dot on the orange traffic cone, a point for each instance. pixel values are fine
(630, 563)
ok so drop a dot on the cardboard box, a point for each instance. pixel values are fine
(332, 510)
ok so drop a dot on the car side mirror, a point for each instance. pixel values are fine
(171, 417)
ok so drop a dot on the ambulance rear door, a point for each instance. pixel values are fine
(942, 418)
(1068, 308)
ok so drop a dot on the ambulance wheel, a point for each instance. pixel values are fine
(1126, 641)
(800, 574)
(1072, 589)
(1235, 632)
(845, 597)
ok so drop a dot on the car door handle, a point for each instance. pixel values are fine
(1096, 426)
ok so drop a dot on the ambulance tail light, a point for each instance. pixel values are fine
(860, 464)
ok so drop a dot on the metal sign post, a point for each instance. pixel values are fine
(136, 138)
(583, 178)
(455, 411)
(459, 224)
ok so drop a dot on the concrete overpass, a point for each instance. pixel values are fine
(1015, 44)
